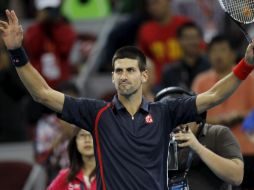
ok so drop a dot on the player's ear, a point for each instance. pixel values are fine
(144, 76)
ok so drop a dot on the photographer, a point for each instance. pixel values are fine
(217, 160)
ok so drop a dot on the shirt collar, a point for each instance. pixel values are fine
(80, 176)
(118, 105)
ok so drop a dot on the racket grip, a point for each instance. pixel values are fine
(242, 70)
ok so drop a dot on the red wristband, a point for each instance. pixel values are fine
(242, 70)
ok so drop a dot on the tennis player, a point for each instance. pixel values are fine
(130, 134)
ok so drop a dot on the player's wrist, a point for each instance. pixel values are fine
(242, 69)
(18, 56)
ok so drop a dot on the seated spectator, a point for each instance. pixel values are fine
(216, 161)
(48, 42)
(81, 173)
(193, 62)
(157, 37)
(223, 57)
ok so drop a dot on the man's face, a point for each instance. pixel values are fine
(222, 57)
(190, 41)
(127, 76)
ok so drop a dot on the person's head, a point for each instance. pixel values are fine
(193, 126)
(172, 93)
(48, 10)
(190, 38)
(129, 70)
(80, 148)
(158, 9)
(221, 54)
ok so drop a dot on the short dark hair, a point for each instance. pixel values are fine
(219, 39)
(130, 52)
(188, 25)
(175, 92)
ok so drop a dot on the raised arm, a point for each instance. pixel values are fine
(226, 86)
(12, 35)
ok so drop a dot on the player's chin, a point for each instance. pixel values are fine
(126, 92)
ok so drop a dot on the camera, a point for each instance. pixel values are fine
(178, 182)
(173, 147)
(172, 153)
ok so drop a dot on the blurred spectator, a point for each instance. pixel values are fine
(193, 61)
(49, 41)
(12, 94)
(52, 136)
(206, 13)
(235, 108)
(81, 173)
(157, 37)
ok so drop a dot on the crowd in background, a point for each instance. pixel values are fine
(188, 43)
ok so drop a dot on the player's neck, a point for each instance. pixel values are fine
(131, 103)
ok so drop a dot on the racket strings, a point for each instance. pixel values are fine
(240, 10)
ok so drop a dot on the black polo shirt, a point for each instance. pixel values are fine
(131, 153)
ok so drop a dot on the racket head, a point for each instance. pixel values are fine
(240, 10)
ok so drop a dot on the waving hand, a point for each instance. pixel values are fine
(12, 32)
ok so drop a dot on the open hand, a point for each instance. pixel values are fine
(11, 31)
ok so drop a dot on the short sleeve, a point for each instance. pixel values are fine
(81, 111)
(183, 110)
(227, 145)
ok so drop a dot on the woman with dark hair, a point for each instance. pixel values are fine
(81, 173)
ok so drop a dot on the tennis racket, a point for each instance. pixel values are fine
(241, 12)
